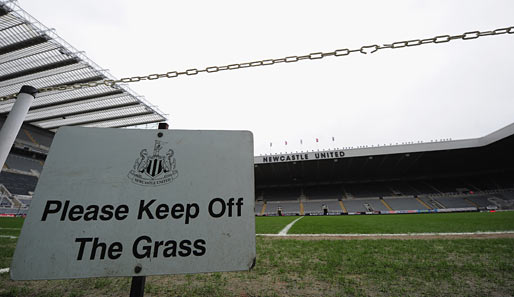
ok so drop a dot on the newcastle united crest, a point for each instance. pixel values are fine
(154, 170)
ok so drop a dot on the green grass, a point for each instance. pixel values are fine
(395, 267)
(7, 246)
(414, 223)
(11, 222)
(9, 232)
(287, 267)
(270, 225)
(463, 267)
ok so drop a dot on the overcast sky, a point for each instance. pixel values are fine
(460, 89)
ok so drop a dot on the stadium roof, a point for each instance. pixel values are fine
(389, 149)
(32, 54)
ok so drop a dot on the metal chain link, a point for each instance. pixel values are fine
(366, 49)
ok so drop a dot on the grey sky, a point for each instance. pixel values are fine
(454, 90)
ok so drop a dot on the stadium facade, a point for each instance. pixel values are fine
(449, 175)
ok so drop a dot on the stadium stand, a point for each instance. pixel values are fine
(453, 202)
(24, 201)
(480, 200)
(15, 211)
(281, 194)
(484, 183)
(483, 191)
(506, 195)
(354, 206)
(365, 190)
(401, 188)
(453, 175)
(404, 203)
(259, 205)
(424, 187)
(316, 207)
(287, 207)
(291, 208)
(23, 163)
(13, 204)
(21, 184)
(373, 205)
(323, 192)
(39, 137)
(430, 202)
(5, 202)
(502, 200)
(23, 137)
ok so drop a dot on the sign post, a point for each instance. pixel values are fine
(121, 202)
(137, 286)
(14, 121)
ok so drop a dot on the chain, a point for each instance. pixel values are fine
(366, 49)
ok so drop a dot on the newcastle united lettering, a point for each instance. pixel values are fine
(303, 156)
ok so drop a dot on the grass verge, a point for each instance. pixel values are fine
(11, 222)
(409, 223)
(463, 267)
(271, 225)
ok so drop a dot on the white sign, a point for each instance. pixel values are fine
(120, 202)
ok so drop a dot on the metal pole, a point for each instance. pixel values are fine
(14, 121)
(137, 287)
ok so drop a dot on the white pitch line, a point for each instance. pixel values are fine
(286, 228)
(4, 270)
(384, 234)
(9, 236)
(2, 228)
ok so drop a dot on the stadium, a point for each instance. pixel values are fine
(442, 176)
(446, 175)
(437, 214)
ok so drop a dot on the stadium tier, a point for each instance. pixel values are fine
(317, 207)
(23, 163)
(15, 183)
(323, 192)
(405, 204)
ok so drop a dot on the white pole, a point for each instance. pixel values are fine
(14, 121)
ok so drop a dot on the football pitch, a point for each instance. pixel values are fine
(387, 224)
(302, 267)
